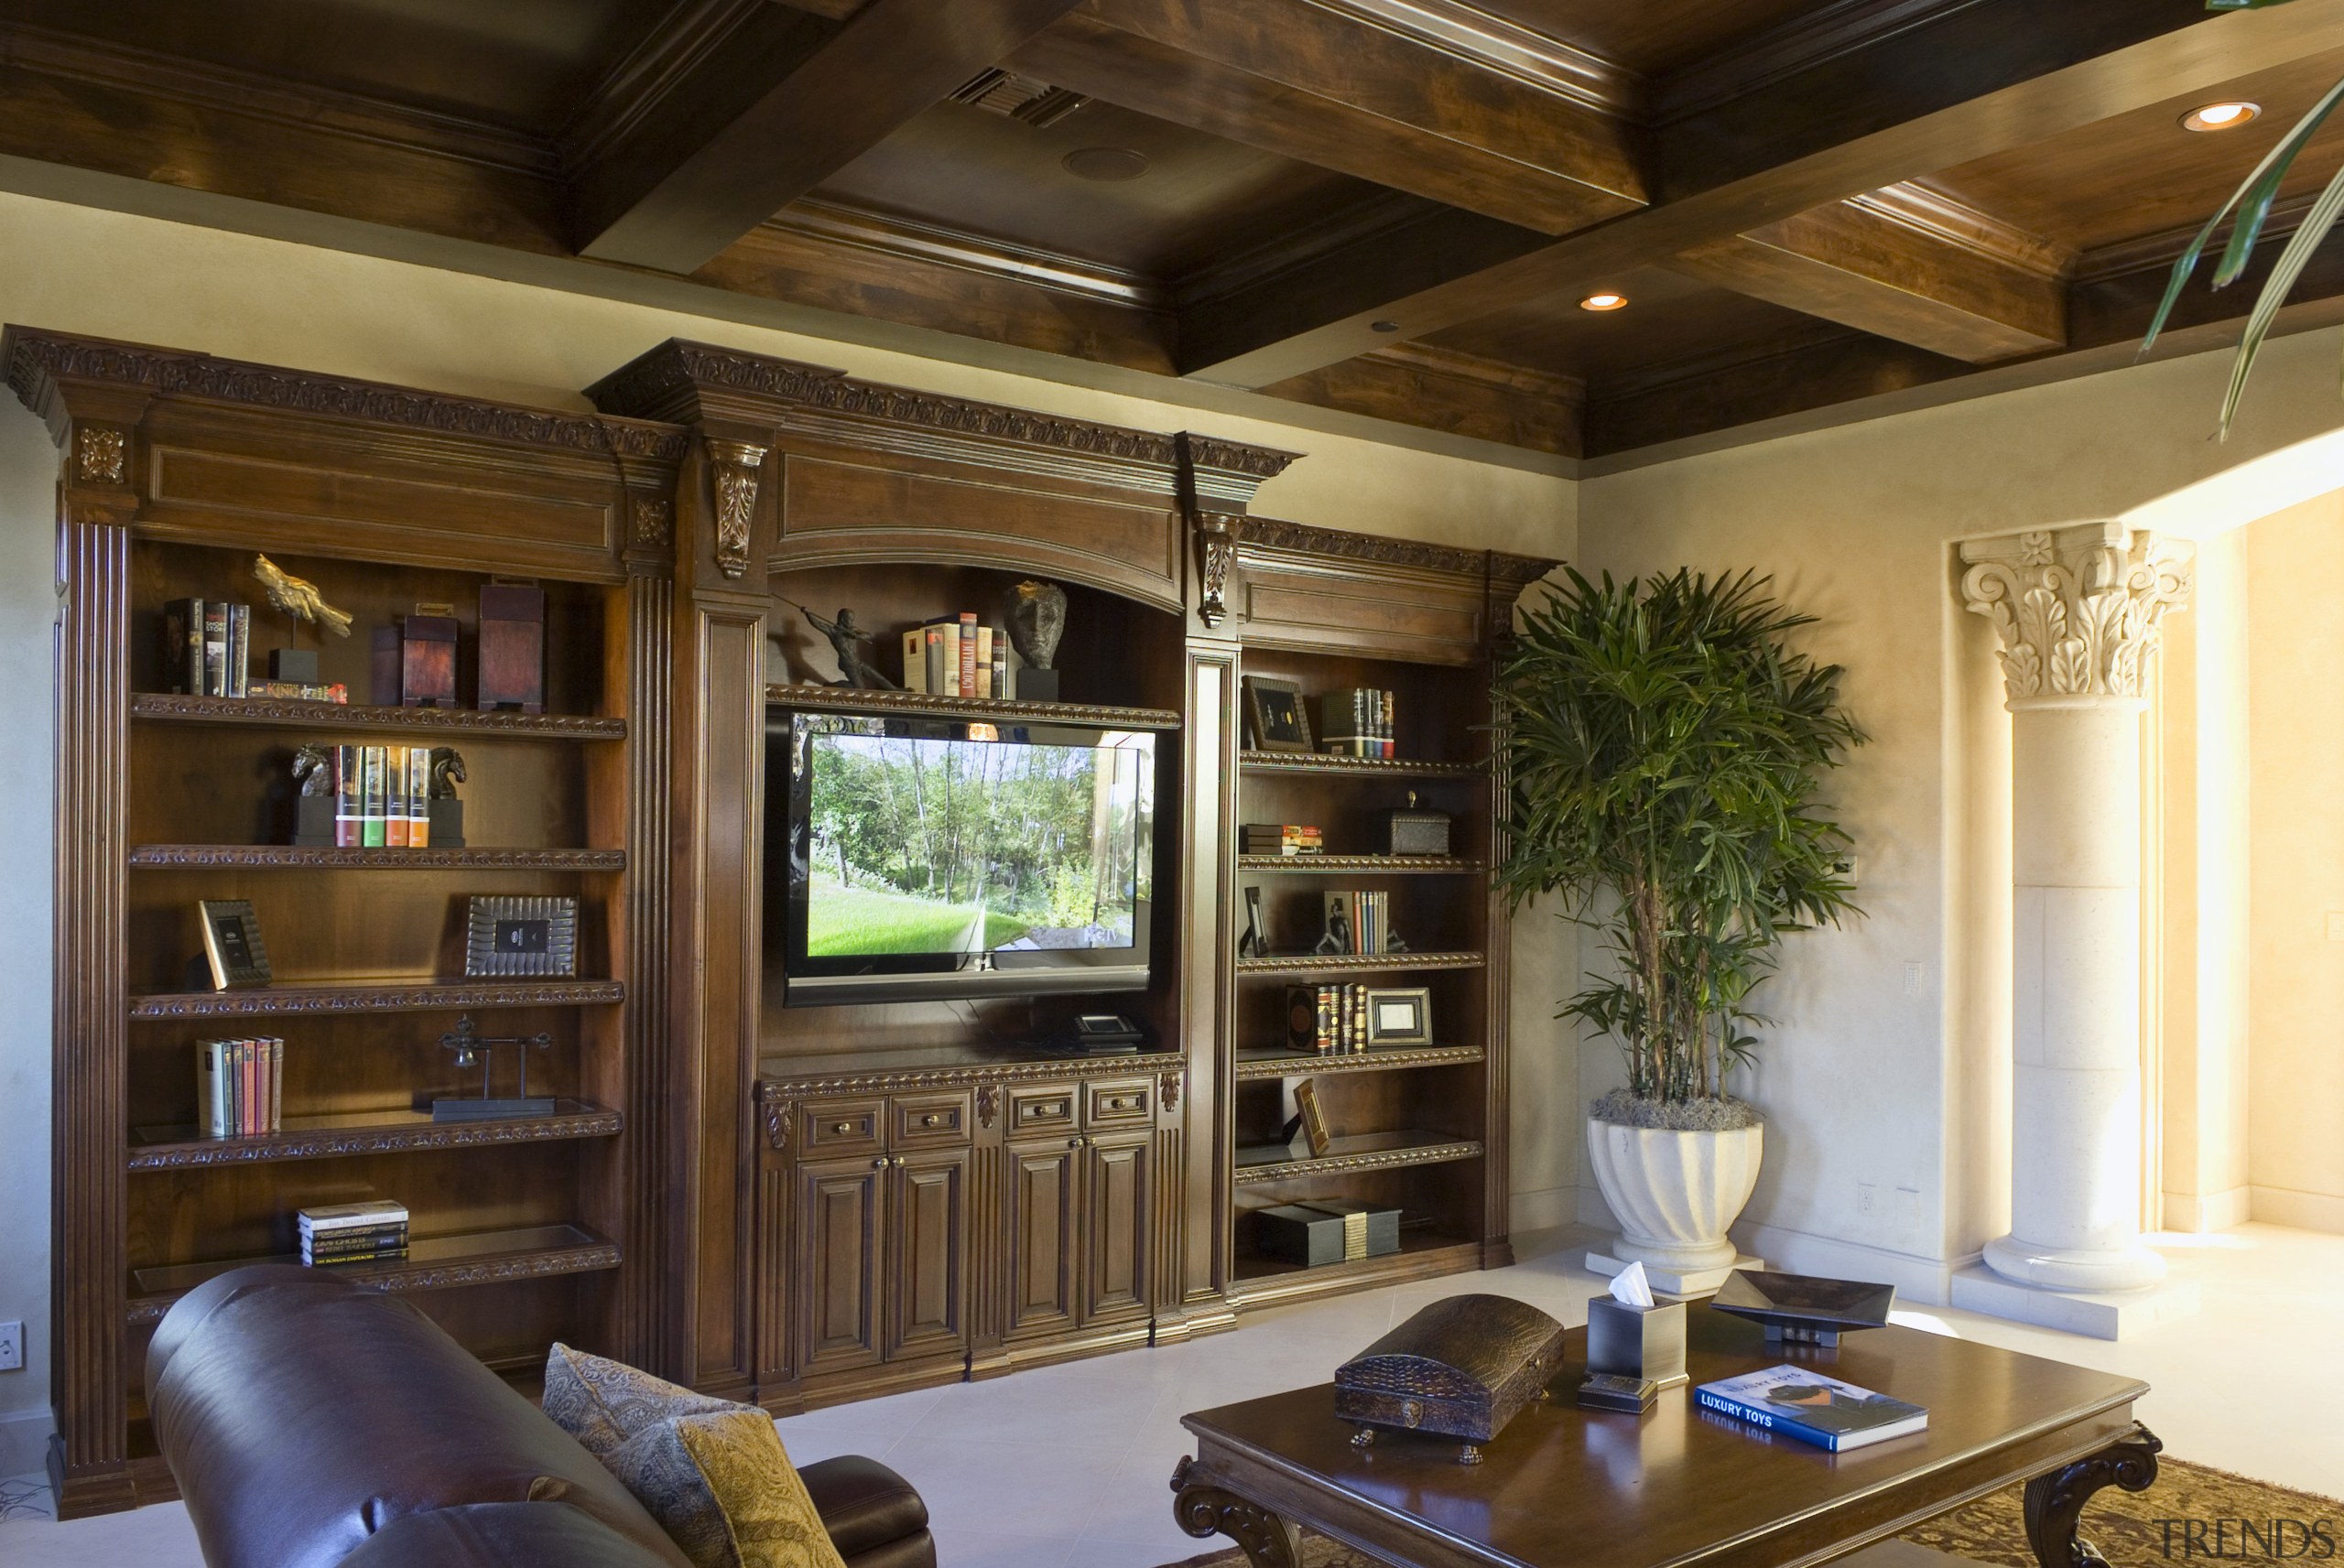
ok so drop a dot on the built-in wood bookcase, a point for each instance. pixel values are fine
(1419, 1128)
(177, 471)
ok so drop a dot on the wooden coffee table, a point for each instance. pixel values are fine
(1678, 1484)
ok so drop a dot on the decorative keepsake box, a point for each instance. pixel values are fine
(1411, 831)
(1461, 1367)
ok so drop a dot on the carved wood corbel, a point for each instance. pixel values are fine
(1205, 1509)
(777, 1119)
(734, 468)
(1216, 554)
(2055, 1501)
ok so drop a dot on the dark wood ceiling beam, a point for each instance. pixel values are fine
(1903, 264)
(1332, 87)
(1441, 389)
(676, 191)
(1982, 75)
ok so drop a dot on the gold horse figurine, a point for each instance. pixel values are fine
(297, 597)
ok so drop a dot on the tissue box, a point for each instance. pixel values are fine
(1637, 1342)
(1461, 1367)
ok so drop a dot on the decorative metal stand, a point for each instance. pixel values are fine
(1204, 1509)
(2055, 1500)
(473, 1049)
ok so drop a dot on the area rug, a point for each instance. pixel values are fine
(2127, 1527)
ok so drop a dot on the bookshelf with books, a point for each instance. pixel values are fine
(195, 1120)
(1365, 907)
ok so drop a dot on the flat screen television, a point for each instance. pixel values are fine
(960, 860)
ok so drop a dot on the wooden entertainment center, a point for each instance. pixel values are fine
(792, 1205)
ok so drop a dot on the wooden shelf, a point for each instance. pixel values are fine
(1374, 865)
(1300, 966)
(1420, 1245)
(309, 857)
(374, 996)
(1355, 767)
(279, 713)
(854, 700)
(432, 1264)
(362, 1133)
(1286, 1064)
(1262, 1163)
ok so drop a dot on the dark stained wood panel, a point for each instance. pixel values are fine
(2140, 173)
(1668, 316)
(1200, 198)
(1650, 37)
(522, 64)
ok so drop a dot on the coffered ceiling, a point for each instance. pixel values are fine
(1389, 208)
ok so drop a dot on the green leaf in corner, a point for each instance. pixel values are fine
(2277, 288)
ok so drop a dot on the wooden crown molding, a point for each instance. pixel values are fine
(1920, 207)
(664, 62)
(35, 360)
(1494, 43)
(1259, 537)
(674, 375)
(828, 224)
(1456, 364)
(1800, 44)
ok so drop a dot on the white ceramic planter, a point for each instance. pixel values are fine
(1674, 1193)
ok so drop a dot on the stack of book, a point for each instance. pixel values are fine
(1357, 722)
(1282, 838)
(381, 797)
(953, 656)
(1360, 921)
(354, 1233)
(239, 1087)
(1331, 1020)
(207, 646)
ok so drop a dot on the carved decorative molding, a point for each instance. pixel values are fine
(2077, 609)
(183, 708)
(1300, 539)
(988, 1104)
(34, 356)
(2055, 1502)
(1312, 865)
(1370, 1160)
(1375, 1060)
(775, 1109)
(985, 1076)
(212, 1153)
(859, 699)
(1169, 1091)
(102, 455)
(440, 1277)
(1326, 762)
(1205, 1509)
(654, 520)
(179, 857)
(1216, 553)
(1307, 963)
(268, 1001)
(735, 467)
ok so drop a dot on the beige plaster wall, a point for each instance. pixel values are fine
(1886, 1083)
(2294, 1092)
(110, 274)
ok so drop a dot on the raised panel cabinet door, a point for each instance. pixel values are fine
(1044, 1234)
(842, 1228)
(1116, 1185)
(928, 1274)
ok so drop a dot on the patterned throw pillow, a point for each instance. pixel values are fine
(713, 1473)
(724, 1488)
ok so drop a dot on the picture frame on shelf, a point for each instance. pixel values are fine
(510, 937)
(1274, 710)
(1399, 1015)
(232, 944)
(1309, 1139)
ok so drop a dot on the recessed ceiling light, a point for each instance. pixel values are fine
(2226, 116)
(1603, 299)
(1383, 326)
(1105, 164)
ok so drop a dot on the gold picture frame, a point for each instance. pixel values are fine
(1314, 1135)
(232, 944)
(1275, 712)
(1399, 1015)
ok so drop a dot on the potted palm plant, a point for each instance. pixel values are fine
(1667, 746)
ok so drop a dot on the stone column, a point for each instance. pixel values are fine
(2078, 612)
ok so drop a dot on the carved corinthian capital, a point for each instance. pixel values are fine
(2077, 609)
(735, 466)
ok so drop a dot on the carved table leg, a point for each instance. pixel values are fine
(1205, 1509)
(2055, 1500)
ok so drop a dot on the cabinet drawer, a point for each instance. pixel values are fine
(1043, 1110)
(841, 1127)
(925, 1120)
(1120, 1100)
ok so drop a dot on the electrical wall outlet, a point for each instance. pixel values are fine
(1867, 1198)
(12, 1346)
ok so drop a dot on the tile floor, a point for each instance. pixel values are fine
(1018, 1478)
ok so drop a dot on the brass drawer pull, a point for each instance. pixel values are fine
(880, 1163)
(843, 1126)
(1074, 1143)
(933, 1118)
(1123, 1102)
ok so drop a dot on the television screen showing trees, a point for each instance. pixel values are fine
(944, 846)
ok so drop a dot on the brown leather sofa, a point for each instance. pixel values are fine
(311, 1422)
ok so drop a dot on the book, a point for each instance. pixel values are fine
(916, 659)
(183, 646)
(216, 649)
(937, 638)
(276, 1085)
(210, 1089)
(240, 650)
(298, 691)
(419, 797)
(967, 649)
(370, 823)
(394, 817)
(345, 1216)
(984, 686)
(348, 809)
(1801, 1402)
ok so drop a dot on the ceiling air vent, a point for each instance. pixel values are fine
(1019, 97)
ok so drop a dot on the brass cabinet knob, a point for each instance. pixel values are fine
(933, 1118)
(880, 1163)
(1074, 1143)
(897, 1162)
(843, 1126)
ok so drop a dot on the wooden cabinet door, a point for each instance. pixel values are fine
(927, 1273)
(1115, 1199)
(842, 1225)
(1044, 1234)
